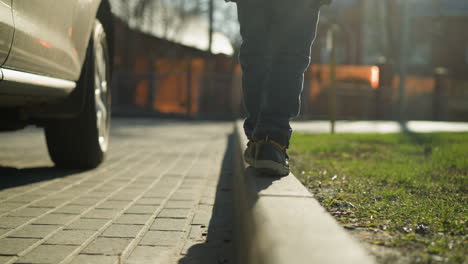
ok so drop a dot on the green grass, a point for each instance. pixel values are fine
(410, 190)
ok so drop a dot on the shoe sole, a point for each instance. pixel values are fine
(271, 168)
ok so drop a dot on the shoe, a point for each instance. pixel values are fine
(250, 153)
(271, 158)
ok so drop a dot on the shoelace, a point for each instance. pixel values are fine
(274, 143)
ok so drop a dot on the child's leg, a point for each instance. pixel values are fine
(293, 25)
(254, 58)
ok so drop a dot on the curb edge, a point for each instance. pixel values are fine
(278, 221)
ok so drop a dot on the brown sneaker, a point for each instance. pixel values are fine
(250, 153)
(271, 158)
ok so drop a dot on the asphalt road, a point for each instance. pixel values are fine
(162, 196)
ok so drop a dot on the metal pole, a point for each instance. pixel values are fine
(211, 21)
(404, 46)
(439, 94)
(152, 91)
(189, 87)
(332, 93)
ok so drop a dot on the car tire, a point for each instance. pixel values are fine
(81, 142)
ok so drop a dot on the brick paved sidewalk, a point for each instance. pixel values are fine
(163, 196)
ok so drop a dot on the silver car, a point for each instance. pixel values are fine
(55, 62)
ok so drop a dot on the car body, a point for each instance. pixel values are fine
(47, 62)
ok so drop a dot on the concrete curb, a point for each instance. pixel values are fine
(279, 221)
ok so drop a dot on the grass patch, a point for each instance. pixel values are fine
(408, 190)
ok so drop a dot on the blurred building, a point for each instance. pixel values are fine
(437, 80)
(163, 65)
(447, 23)
(371, 31)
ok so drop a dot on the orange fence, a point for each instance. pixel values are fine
(190, 87)
(371, 92)
(200, 88)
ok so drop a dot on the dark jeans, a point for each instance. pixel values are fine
(277, 36)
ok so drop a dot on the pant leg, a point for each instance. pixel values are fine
(293, 25)
(254, 58)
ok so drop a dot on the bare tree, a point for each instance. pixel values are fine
(225, 18)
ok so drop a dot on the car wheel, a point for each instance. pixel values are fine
(81, 142)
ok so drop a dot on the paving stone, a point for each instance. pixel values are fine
(198, 233)
(158, 192)
(13, 246)
(117, 183)
(54, 219)
(72, 209)
(4, 230)
(203, 215)
(208, 200)
(25, 198)
(174, 213)
(70, 237)
(87, 224)
(47, 254)
(4, 194)
(161, 238)
(96, 180)
(8, 206)
(191, 182)
(106, 189)
(40, 192)
(95, 259)
(133, 219)
(64, 196)
(149, 254)
(101, 195)
(28, 211)
(55, 186)
(112, 205)
(169, 224)
(77, 187)
(125, 231)
(12, 222)
(181, 196)
(140, 187)
(149, 201)
(23, 188)
(193, 190)
(34, 231)
(5, 259)
(47, 203)
(127, 196)
(147, 179)
(101, 214)
(183, 166)
(171, 204)
(170, 178)
(107, 246)
(85, 201)
(142, 209)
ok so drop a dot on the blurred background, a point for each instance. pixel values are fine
(372, 60)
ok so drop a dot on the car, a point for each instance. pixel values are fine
(55, 72)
